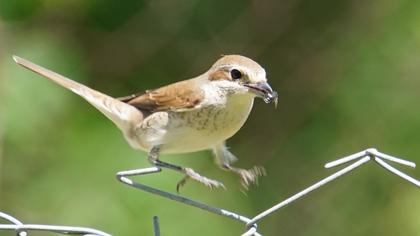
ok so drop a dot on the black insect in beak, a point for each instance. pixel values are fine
(264, 91)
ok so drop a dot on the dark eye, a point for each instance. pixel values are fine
(235, 74)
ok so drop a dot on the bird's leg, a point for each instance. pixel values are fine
(224, 158)
(154, 159)
(189, 173)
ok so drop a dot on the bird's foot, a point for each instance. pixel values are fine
(191, 174)
(250, 176)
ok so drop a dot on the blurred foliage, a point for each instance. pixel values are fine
(347, 74)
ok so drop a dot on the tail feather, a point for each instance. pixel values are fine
(123, 115)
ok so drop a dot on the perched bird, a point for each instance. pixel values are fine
(191, 115)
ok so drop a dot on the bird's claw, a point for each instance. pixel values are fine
(190, 173)
(250, 176)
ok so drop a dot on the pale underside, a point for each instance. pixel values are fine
(192, 130)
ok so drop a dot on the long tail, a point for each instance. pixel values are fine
(123, 115)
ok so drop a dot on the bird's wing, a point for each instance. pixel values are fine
(123, 115)
(180, 96)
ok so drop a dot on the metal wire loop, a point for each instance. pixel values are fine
(359, 159)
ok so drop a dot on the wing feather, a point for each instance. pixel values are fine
(174, 97)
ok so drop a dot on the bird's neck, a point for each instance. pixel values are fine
(241, 102)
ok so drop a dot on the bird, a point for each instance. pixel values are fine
(186, 116)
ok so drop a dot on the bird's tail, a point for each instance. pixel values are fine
(123, 115)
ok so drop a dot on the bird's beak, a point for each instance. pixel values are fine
(264, 91)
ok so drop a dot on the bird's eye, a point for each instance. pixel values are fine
(235, 74)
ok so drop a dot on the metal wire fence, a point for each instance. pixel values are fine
(22, 229)
(250, 223)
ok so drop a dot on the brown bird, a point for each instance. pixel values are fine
(191, 115)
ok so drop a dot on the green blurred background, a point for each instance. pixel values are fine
(347, 73)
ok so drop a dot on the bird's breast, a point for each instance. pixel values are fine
(205, 127)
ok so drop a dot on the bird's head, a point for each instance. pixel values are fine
(239, 74)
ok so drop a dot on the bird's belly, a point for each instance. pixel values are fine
(204, 128)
